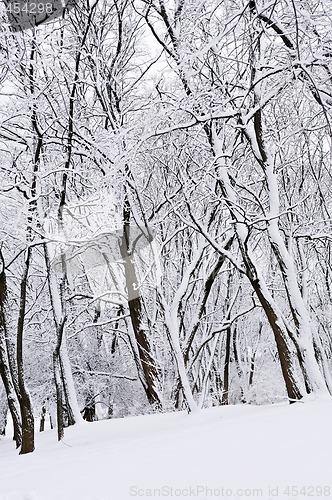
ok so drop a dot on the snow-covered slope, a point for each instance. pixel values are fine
(231, 452)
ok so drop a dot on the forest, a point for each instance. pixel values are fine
(165, 210)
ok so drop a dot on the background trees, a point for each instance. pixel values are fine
(165, 211)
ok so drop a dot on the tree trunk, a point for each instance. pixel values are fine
(28, 444)
(148, 363)
(225, 391)
(58, 389)
(281, 333)
(42, 419)
(3, 413)
(172, 325)
(63, 378)
(13, 404)
(303, 339)
(253, 357)
(74, 414)
(5, 372)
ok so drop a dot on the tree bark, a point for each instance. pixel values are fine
(42, 419)
(3, 414)
(63, 378)
(151, 375)
(58, 389)
(303, 338)
(5, 372)
(225, 392)
(28, 444)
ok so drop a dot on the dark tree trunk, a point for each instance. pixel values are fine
(219, 386)
(283, 345)
(225, 392)
(225, 399)
(28, 444)
(69, 412)
(238, 364)
(42, 419)
(253, 357)
(89, 412)
(151, 376)
(58, 389)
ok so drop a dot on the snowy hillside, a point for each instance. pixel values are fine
(227, 452)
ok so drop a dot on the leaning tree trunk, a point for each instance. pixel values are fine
(5, 372)
(151, 375)
(13, 404)
(303, 338)
(283, 336)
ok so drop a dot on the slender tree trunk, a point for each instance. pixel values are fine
(253, 357)
(5, 372)
(28, 443)
(42, 419)
(225, 393)
(238, 363)
(208, 286)
(3, 413)
(218, 385)
(58, 389)
(74, 414)
(208, 371)
(11, 353)
(63, 378)
(171, 321)
(11, 398)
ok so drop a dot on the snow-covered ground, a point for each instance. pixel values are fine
(234, 452)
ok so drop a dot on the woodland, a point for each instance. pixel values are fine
(165, 210)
